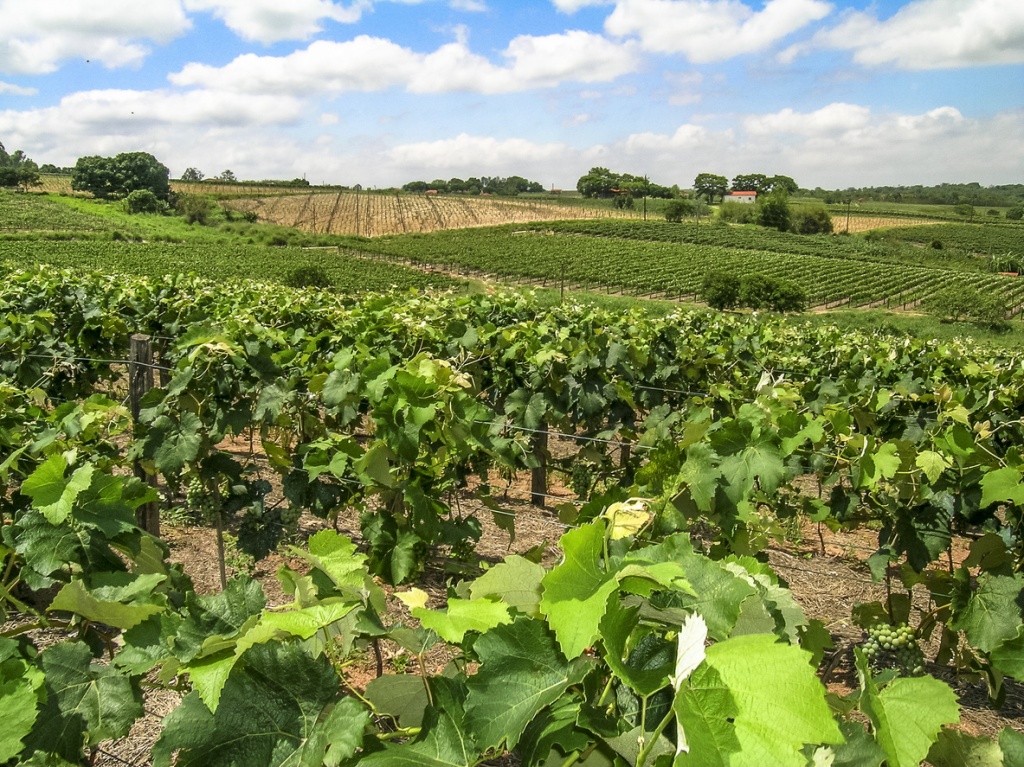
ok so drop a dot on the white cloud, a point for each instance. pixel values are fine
(16, 90)
(468, 6)
(933, 34)
(269, 21)
(36, 36)
(373, 64)
(466, 155)
(711, 30)
(571, 6)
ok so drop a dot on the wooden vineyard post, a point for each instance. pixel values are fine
(140, 381)
(539, 475)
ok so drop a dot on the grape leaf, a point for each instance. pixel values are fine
(993, 612)
(52, 494)
(1009, 656)
(217, 615)
(403, 696)
(85, 703)
(516, 582)
(957, 749)
(279, 706)
(18, 714)
(1012, 744)
(463, 616)
(771, 693)
(907, 714)
(521, 672)
(576, 591)
(859, 750)
(76, 598)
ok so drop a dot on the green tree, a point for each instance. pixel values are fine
(17, 169)
(965, 210)
(710, 186)
(1015, 213)
(599, 182)
(192, 174)
(963, 303)
(814, 220)
(227, 176)
(677, 210)
(751, 182)
(773, 211)
(114, 178)
(720, 290)
(782, 183)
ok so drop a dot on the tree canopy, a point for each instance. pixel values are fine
(710, 186)
(16, 169)
(114, 178)
(601, 182)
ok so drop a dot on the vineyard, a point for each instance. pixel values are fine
(374, 215)
(659, 636)
(676, 270)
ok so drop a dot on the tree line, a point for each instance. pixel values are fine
(16, 169)
(509, 186)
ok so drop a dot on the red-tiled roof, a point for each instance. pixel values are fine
(741, 194)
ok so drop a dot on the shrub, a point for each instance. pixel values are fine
(789, 297)
(143, 201)
(737, 213)
(194, 208)
(677, 210)
(812, 221)
(1015, 213)
(773, 212)
(757, 291)
(309, 277)
(720, 290)
(937, 244)
(992, 212)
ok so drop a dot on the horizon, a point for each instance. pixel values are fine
(380, 93)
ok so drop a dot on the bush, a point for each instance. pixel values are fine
(812, 221)
(720, 290)
(773, 212)
(758, 291)
(992, 212)
(309, 277)
(194, 208)
(677, 210)
(937, 244)
(737, 213)
(143, 201)
(1015, 213)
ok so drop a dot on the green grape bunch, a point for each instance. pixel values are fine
(200, 500)
(890, 646)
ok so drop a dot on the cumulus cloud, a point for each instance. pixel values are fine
(571, 6)
(706, 31)
(372, 64)
(35, 37)
(269, 21)
(468, 6)
(16, 90)
(932, 34)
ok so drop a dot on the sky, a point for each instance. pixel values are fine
(834, 93)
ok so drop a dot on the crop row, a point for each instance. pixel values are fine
(677, 270)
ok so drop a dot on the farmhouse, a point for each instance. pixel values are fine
(744, 197)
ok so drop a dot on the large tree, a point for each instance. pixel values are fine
(750, 182)
(114, 178)
(17, 169)
(599, 182)
(710, 186)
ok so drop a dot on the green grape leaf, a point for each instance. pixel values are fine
(52, 494)
(337, 557)
(760, 461)
(278, 707)
(1012, 744)
(85, 703)
(907, 714)
(700, 474)
(576, 592)
(957, 749)
(463, 616)
(772, 694)
(76, 598)
(932, 464)
(616, 627)
(554, 730)
(516, 582)
(859, 750)
(217, 615)
(445, 744)
(993, 612)
(521, 672)
(1009, 656)
(704, 710)
(173, 443)
(148, 643)
(18, 714)
(403, 696)
(720, 593)
(1002, 486)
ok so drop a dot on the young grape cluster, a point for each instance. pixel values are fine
(894, 645)
(199, 499)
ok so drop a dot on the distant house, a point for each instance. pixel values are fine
(747, 198)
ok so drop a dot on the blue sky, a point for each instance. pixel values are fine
(379, 92)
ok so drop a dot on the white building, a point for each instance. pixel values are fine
(747, 198)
